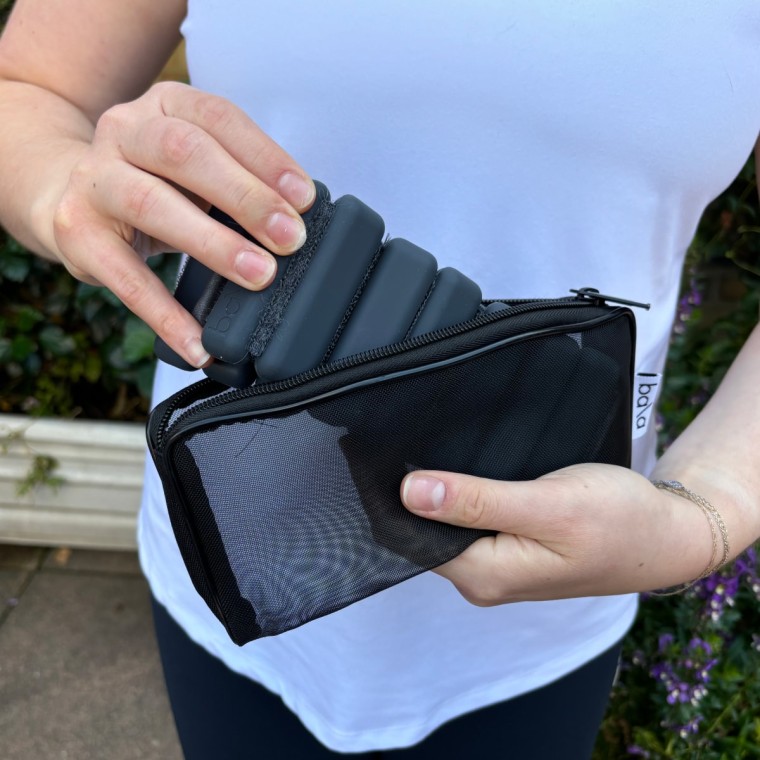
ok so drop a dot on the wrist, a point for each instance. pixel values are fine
(721, 547)
(738, 508)
(38, 155)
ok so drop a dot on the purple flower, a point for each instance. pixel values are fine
(697, 643)
(685, 670)
(692, 727)
(665, 640)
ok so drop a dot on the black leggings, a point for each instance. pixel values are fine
(221, 715)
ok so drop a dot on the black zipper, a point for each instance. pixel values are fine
(585, 297)
(599, 298)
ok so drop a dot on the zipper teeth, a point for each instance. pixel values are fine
(181, 395)
(521, 306)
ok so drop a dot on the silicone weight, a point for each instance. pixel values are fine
(233, 318)
(343, 284)
(230, 323)
(317, 306)
(228, 312)
(391, 300)
(454, 299)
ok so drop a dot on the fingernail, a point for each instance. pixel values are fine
(297, 191)
(197, 355)
(258, 268)
(423, 493)
(286, 231)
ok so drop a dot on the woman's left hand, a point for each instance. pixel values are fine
(585, 530)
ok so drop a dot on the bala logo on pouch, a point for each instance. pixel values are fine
(645, 393)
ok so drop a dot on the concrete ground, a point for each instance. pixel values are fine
(80, 677)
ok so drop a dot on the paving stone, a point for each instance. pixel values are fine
(15, 557)
(119, 562)
(80, 675)
(11, 583)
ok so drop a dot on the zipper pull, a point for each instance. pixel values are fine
(593, 294)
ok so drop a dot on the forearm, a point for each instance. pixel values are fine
(42, 136)
(62, 65)
(718, 456)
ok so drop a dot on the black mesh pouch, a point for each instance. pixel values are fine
(284, 497)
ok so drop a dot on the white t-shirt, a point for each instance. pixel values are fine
(537, 146)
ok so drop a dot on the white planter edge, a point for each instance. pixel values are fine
(100, 465)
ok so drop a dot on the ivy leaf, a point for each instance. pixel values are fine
(32, 364)
(145, 378)
(25, 318)
(15, 267)
(93, 367)
(22, 347)
(138, 340)
(56, 341)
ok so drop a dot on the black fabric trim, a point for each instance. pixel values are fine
(204, 552)
(298, 265)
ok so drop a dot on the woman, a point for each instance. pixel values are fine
(535, 147)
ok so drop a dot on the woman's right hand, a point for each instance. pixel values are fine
(143, 185)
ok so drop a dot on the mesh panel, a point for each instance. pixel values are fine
(299, 511)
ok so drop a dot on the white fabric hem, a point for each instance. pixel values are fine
(399, 735)
(402, 736)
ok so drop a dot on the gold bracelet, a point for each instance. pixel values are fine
(714, 518)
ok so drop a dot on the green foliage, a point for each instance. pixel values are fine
(690, 682)
(42, 467)
(702, 348)
(69, 349)
(730, 227)
(40, 473)
(5, 9)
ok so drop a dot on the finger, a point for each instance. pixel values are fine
(148, 204)
(187, 155)
(119, 268)
(506, 568)
(531, 508)
(242, 138)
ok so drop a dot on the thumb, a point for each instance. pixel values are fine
(528, 508)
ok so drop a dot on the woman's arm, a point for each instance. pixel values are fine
(598, 529)
(62, 64)
(100, 182)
